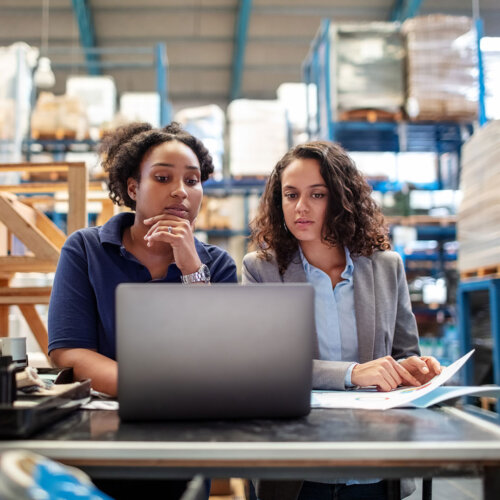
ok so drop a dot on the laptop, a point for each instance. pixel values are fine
(214, 352)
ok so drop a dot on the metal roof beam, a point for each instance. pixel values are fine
(83, 16)
(240, 44)
(404, 9)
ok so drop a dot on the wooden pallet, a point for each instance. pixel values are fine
(482, 272)
(370, 115)
(251, 178)
(421, 220)
(56, 135)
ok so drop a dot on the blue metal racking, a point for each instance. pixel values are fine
(465, 288)
(158, 61)
(439, 137)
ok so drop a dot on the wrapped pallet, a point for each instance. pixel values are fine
(258, 136)
(490, 48)
(59, 117)
(478, 223)
(366, 67)
(300, 102)
(208, 124)
(16, 86)
(442, 68)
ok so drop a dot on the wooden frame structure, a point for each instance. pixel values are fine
(41, 237)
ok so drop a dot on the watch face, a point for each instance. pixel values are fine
(204, 272)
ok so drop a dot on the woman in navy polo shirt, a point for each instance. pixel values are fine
(158, 174)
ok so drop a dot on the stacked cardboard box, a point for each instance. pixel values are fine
(478, 222)
(442, 68)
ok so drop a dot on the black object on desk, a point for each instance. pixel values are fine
(7, 380)
(30, 413)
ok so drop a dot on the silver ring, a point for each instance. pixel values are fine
(169, 229)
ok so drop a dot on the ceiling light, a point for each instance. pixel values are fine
(44, 76)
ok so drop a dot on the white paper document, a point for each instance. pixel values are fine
(422, 396)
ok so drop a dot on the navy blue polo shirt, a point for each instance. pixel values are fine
(92, 264)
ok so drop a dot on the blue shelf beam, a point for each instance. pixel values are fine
(404, 9)
(161, 82)
(145, 58)
(482, 90)
(240, 43)
(83, 16)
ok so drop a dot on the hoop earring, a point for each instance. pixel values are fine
(286, 227)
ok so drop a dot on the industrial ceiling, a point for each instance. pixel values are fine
(217, 50)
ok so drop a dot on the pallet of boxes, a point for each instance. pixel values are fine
(441, 68)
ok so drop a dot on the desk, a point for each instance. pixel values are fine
(436, 442)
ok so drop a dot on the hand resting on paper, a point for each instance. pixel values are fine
(423, 368)
(384, 373)
(387, 374)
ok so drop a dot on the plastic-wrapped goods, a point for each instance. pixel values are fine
(442, 68)
(141, 107)
(7, 120)
(98, 94)
(367, 69)
(300, 103)
(478, 224)
(490, 49)
(207, 123)
(16, 84)
(258, 136)
(59, 117)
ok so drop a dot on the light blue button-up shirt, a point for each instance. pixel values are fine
(335, 321)
(334, 314)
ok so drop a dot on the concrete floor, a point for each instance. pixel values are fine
(452, 489)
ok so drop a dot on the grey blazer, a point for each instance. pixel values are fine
(385, 326)
(384, 319)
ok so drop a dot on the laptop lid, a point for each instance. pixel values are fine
(219, 351)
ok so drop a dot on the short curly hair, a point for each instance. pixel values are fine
(122, 152)
(354, 220)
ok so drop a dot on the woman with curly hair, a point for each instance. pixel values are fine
(318, 223)
(157, 173)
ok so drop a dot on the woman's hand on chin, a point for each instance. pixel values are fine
(178, 233)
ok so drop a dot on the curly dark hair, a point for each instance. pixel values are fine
(123, 150)
(354, 219)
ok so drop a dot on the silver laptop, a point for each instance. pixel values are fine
(219, 351)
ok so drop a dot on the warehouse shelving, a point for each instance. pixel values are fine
(396, 136)
(157, 55)
(438, 137)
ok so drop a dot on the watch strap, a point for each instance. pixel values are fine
(202, 275)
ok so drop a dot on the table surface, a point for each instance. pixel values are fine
(442, 433)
